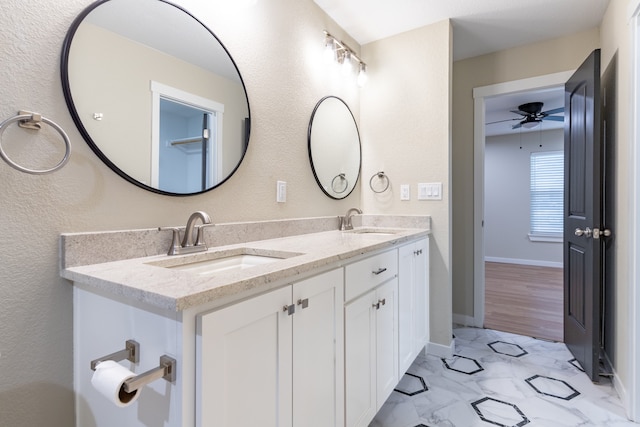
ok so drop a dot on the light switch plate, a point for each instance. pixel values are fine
(281, 191)
(405, 192)
(430, 191)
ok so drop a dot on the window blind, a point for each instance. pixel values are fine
(547, 193)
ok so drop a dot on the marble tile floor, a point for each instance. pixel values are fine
(501, 379)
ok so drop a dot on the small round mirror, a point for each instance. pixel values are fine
(156, 95)
(334, 147)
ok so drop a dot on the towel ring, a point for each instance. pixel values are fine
(382, 176)
(32, 121)
(342, 178)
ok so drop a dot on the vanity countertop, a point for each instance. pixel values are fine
(138, 280)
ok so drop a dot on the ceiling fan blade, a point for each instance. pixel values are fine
(522, 113)
(516, 126)
(554, 118)
(502, 121)
(554, 111)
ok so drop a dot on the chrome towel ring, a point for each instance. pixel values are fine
(383, 182)
(30, 120)
(340, 178)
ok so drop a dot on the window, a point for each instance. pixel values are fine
(547, 196)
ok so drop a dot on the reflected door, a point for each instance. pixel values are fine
(187, 147)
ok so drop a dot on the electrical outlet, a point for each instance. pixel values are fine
(281, 191)
(405, 192)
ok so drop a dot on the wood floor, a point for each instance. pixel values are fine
(524, 299)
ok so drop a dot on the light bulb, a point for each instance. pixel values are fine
(362, 75)
(346, 63)
(329, 50)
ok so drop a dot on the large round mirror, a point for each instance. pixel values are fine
(156, 95)
(334, 147)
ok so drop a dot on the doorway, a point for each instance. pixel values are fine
(481, 95)
(186, 140)
(523, 216)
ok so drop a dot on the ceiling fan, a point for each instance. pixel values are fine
(532, 115)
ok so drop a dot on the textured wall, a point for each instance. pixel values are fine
(405, 118)
(616, 39)
(277, 45)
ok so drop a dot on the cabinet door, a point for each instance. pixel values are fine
(386, 340)
(244, 364)
(421, 291)
(406, 299)
(318, 342)
(360, 360)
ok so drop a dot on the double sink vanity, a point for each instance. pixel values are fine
(277, 323)
(301, 322)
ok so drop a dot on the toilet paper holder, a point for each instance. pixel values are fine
(166, 369)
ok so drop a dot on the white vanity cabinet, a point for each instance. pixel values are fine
(371, 335)
(413, 301)
(316, 341)
(274, 360)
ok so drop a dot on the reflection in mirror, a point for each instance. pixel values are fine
(334, 147)
(156, 95)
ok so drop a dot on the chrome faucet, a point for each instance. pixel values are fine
(345, 221)
(188, 245)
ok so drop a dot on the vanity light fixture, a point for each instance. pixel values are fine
(341, 52)
(329, 49)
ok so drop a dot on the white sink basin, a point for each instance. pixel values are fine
(215, 262)
(226, 263)
(372, 231)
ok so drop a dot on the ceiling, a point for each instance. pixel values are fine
(479, 27)
(499, 108)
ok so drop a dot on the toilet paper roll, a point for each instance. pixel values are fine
(109, 379)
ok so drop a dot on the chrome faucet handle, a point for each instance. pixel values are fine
(200, 234)
(340, 223)
(187, 239)
(175, 239)
(347, 224)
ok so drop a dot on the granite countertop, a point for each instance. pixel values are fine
(139, 280)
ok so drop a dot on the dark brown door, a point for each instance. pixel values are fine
(582, 252)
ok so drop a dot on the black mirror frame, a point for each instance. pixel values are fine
(66, 88)
(315, 175)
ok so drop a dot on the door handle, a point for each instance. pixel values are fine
(604, 233)
(586, 232)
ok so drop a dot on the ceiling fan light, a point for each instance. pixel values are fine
(530, 124)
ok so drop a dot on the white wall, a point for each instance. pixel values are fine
(405, 118)
(507, 198)
(277, 45)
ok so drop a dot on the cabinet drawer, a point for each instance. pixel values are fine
(364, 275)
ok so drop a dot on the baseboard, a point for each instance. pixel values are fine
(532, 262)
(440, 350)
(464, 320)
(621, 390)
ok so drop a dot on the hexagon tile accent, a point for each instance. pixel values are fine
(552, 387)
(463, 364)
(575, 363)
(509, 349)
(499, 413)
(410, 385)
